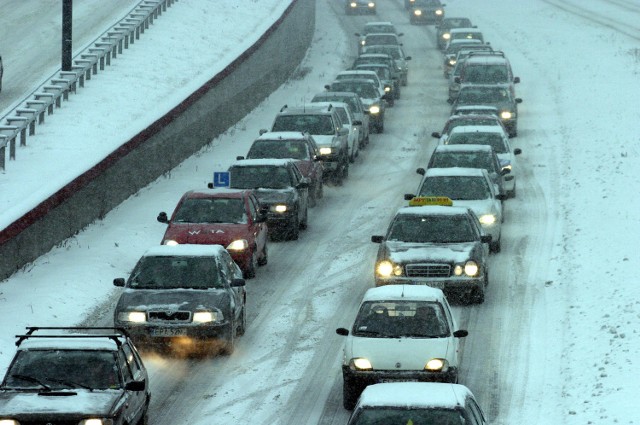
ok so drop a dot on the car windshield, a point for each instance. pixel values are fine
(482, 95)
(455, 23)
(469, 120)
(462, 159)
(352, 101)
(391, 50)
(259, 176)
(296, 149)
(446, 228)
(373, 39)
(211, 210)
(406, 318)
(457, 188)
(427, 3)
(320, 124)
(363, 89)
(382, 71)
(379, 28)
(175, 272)
(63, 369)
(494, 140)
(402, 415)
(454, 48)
(485, 74)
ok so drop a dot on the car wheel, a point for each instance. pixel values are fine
(320, 189)
(294, 228)
(144, 420)
(476, 296)
(305, 221)
(230, 343)
(512, 193)
(350, 395)
(262, 261)
(313, 195)
(345, 169)
(243, 321)
(250, 273)
(352, 156)
(380, 127)
(496, 246)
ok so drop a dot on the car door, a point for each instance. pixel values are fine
(303, 192)
(138, 398)
(133, 400)
(230, 270)
(258, 227)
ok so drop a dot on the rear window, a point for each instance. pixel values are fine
(312, 124)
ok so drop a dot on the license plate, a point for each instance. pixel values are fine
(168, 332)
(382, 381)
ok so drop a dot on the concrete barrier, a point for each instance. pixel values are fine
(164, 144)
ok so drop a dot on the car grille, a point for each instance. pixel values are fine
(169, 316)
(50, 422)
(428, 270)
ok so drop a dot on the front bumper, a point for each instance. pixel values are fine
(158, 333)
(281, 220)
(370, 377)
(451, 285)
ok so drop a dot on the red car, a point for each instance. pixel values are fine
(228, 217)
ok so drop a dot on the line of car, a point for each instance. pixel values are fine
(401, 355)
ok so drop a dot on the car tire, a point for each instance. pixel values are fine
(380, 127)
(345, 169)
(250, 273)
(242, 327)
(476, 296)
(320, 189)
(350, 394)
(496, 246)
(229, 345)
(262, 261)
(294, 228)
(512, 193)
(305, 221)
(144, 420)
(313, 196)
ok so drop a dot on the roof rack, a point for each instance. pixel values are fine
(486, 53)
(283, 108)
(115, 335)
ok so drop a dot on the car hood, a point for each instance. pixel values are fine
(398, 353)
(409, 252)
(479, 206)
(49, 405)
(274, 196)
(206, 233)
(172, 299)
(324, 141)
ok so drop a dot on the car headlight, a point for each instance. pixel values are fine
(354, 4)
(207, 316)
(507, 115)
(487, 219)
(325, 151)
(132, 316)
(238, 245)
(387, 89)
(417, 12)
(437, 365)
(386, 268)
(92, 421)
(507, 167)
(9, 422)
(446, 36)
(363, 42)
(360, 363)
(279, 208)
(169, 242)
(452, 62)
(371, 4)
(374, 109)
(439, 12)
(470, 268)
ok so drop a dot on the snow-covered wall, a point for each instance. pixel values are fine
(164, 144)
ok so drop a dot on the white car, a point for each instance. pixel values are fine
(401, 333)
(496, 137)
(349, 122)
(417, 403)
(467, 187)
(363, 75)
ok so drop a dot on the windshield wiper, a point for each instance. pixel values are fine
(69, 383)
(31, 379)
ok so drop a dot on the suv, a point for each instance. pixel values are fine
(426, 11)
(397, 63)
(324, 124)
(372, 99)
(401, 332)
(442, 29)
(487, 68)
(281, 189)
(227, 217)
(78, 375)
(349, 122)
(355, 103)
(186, 296)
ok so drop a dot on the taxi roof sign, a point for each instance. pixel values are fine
(420, 201)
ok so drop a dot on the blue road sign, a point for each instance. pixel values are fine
(221, 179)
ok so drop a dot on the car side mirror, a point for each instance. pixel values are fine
(239, 158)
(162, 217)
(342, 331)
(327, 87)
(263, 130)
(518, 100)
(421, 171)
(237, 283)
(501, 197)
(407, 58)
(118, 281)
(303, 184)
(135, 386)
(436, 135)
(516, 80)
(460, 333)
(377, 239)
(409, 196)
(504, 171)
(400, 34)
(517, 151)
(343, 131)
(357, 122)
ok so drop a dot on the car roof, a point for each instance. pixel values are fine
(404, 292)
(486, 60)
(274, 162)
(337, 94)
(467, 29)
(358, 72)
(335, 104)
(372, 23)
(477, 129)
(432, 210)
(281, 135)
(89, 343)
(221, 192)
(462, 148)
(415, 394)
(306, 109)
(454, 171)
(187, 250)
(375, 55)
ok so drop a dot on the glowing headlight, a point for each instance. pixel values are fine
(417, 12)
(439, 12)
(354, 4)
(507, 167)
(325, 151)
(363, 42)
(436, 365)
(387, 89)
(374, 109)
(371, 4)
(169, 242)
(452, 62)
(238, 245)
(205, 316)
(360, 364)
(386, 269)
(9, 422)
(507, 115)
(132, 316)
(446, 36)
(487, 219)
(92, 422)
(280, 208)
(471, 268)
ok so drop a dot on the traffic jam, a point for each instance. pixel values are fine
(402, 354)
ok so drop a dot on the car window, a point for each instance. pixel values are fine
(457, 188)
(133, 361)
(430, 229)
(393, 319)
(320, 124)
(486, 74)
(364, 90)
(462, 159)
(211, 210)
(127, 375)
(474, 412)
(344, 117)
(494, 140)
(403, 415)
(172, 272)
(295, 149)
(259, 176)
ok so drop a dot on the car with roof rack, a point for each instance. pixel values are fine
(488, 68)
(355, 103)
(433, 243)
(349, 122)
(401, 333)
(75, 375)
(454, 46)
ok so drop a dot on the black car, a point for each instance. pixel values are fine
(280, 187)
(75, 376)
(188, 298)
(426, 12)
(443, 27)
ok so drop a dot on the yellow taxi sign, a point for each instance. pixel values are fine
(419, 201)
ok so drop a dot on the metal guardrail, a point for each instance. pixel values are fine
(21, 121)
